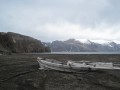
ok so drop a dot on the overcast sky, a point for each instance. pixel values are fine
(49, 20)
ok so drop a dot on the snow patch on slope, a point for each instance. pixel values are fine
(103, 42)
(116, 41)
(84, 41)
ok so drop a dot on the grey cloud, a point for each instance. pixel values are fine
(86, 12)
(24, 16)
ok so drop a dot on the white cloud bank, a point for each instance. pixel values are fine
(66, 30)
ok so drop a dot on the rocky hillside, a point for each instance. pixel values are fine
(17, 43)
(73, 45)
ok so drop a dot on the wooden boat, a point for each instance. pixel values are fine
(75, 66)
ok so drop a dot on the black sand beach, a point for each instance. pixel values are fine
(20, 72)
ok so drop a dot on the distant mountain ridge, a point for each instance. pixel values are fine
(73, 45)
(17, 43)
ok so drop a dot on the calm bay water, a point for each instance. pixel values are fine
(85, 52)
(79, 53)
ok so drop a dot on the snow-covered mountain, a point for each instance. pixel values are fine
(82, 45)
(103, 42)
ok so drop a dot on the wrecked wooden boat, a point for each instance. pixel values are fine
(75, 66)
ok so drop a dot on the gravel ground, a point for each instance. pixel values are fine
(20, 72)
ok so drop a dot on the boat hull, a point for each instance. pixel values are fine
(60, 67)
(72, 66)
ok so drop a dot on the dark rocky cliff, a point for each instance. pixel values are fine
(17, 43)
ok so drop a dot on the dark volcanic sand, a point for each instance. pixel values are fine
(20, 72)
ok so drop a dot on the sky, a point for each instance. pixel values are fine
(49, 20)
